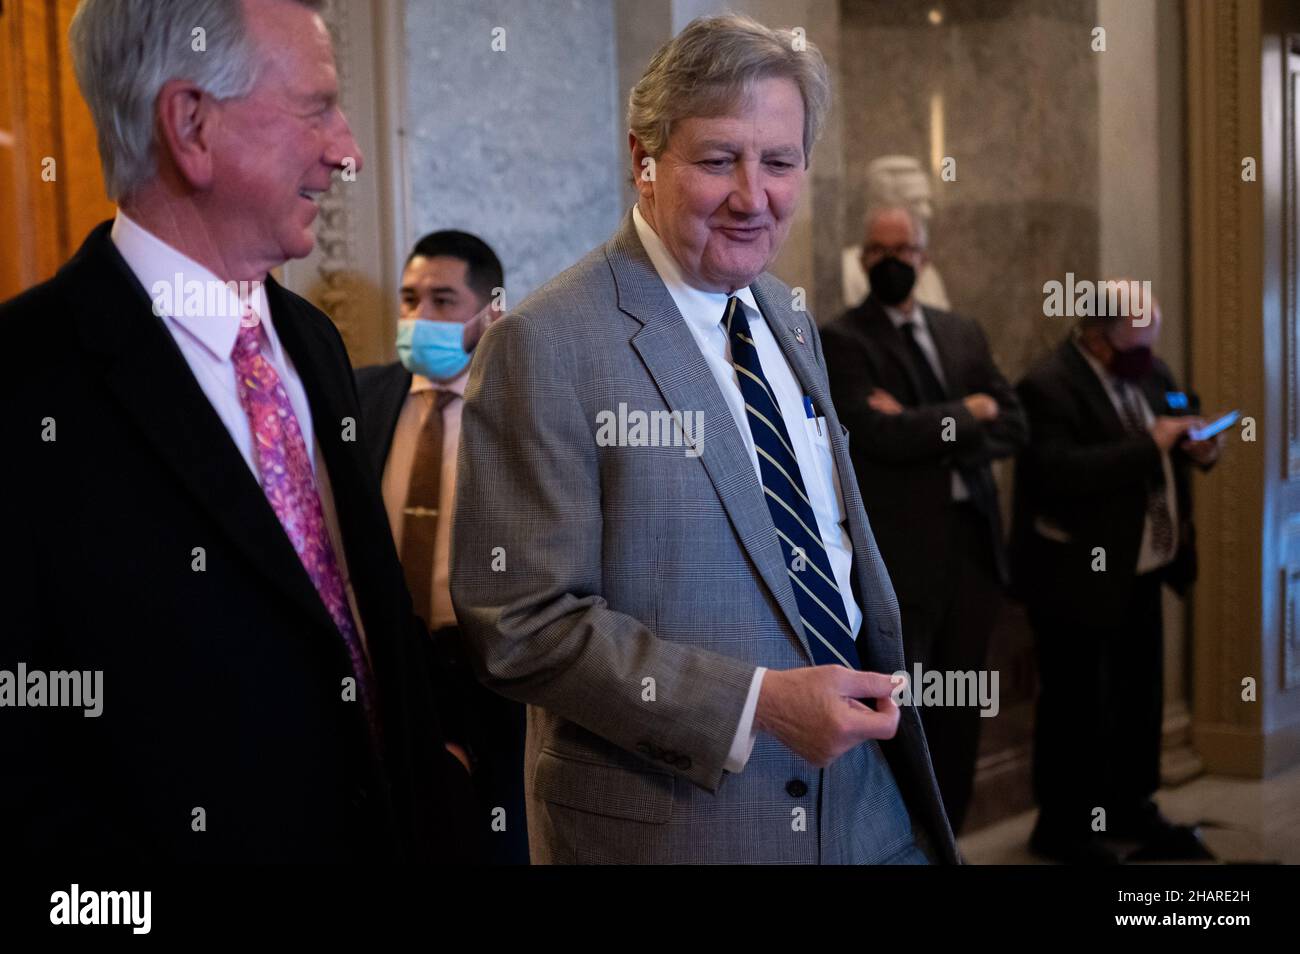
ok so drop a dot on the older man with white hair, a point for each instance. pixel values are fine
(186, 508)
(698, 618)
(894, 181)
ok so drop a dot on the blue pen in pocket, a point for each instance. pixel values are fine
(810, 410)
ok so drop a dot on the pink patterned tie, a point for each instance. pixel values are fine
(290, 487)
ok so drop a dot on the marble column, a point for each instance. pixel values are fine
(514, 144)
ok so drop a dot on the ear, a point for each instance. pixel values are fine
(184, 117)
(644, 187)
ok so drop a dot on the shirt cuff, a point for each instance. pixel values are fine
(743, 744)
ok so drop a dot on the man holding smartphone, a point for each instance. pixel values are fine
(1102, 520)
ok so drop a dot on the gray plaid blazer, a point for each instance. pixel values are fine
(627, 593)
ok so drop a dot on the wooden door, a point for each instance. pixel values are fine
(51, 187)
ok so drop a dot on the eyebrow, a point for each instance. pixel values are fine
(323, 98)
(723, 145)
(436, 290)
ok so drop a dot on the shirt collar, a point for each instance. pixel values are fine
(702, 309)
(900, 318)
(167, 275)
(1108, 379)
(456, 385)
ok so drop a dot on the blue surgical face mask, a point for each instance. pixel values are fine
(435, 349)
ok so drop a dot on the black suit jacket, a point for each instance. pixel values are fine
(1089, 477)
(904, 465)
(222, 687)
(382, 389)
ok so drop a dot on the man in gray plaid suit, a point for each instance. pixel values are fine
(659, 544)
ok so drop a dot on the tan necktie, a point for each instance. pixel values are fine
(1162, 521)
(423, 496)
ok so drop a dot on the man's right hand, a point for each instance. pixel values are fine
(815, 710)
(1168, 431)
(981, 406)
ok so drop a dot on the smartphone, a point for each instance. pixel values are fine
(1215, 427)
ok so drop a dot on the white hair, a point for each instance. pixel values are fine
(920, 234)
(124, 51)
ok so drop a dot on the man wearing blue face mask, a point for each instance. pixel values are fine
(410, 425)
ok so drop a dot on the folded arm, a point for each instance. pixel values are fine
(912, 435)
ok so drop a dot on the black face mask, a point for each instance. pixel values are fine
(892, 280)
(1131, 364)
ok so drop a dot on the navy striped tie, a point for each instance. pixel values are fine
(821, 605)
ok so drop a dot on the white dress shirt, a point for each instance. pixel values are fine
(1119, 392)
(703, 312)
(207, 340)
(925, 341)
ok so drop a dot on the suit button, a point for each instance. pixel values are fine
(796, 788)
(683, 761)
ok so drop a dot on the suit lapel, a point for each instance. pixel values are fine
(308, 353)
(679, 370)
(149, 377)
(345, 463)
(1093, 391)
(880, 329)
(783, 321)
(787, 326)
(947, 349)
(381, 391)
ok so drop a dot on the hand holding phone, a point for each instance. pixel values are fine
(1214, 427)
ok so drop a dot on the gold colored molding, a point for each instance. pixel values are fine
(334, 234)
(352, 273)
(1227, 354)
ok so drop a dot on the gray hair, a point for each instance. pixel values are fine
(124, 51)
(920, 234)
(712, 64)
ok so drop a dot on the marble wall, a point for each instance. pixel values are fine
(517, 146)
(1009, 90)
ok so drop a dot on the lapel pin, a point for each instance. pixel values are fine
(798, 335)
